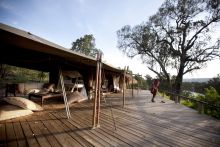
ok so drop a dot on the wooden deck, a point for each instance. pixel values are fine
(140, 123)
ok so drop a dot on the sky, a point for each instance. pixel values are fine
(64, 21)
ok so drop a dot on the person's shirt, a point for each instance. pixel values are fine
(156, 84)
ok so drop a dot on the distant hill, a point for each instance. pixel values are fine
(200, 80)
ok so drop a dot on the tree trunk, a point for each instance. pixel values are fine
(178, 81)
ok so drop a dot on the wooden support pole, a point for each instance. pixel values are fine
(99, 91)
(96, 93)
(124, 87)
(132, 86)
(97, 99)
(200, 107)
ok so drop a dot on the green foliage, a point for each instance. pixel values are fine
(189, 104)
(22, 75)
(5, 70)
(85, 45)
(215, 82)
(210, 96)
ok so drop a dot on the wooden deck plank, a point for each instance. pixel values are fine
(39, 134)
(160, 139)
(109, 134)
(165, 132)
(131, 138)
(187, 126)
(11, 138)
(31, 140)
(3, 141)
(182, 129)
(100, 133)
(66, 129)
(51, 139)
(41, 117)
(118, 134)
(63, 138)
(86, 132)
(147, 142)
(73, 131)
(144, 135)
(19, 134)
(195, 140)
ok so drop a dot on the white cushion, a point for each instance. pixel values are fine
(11, 111)
(31, 91)
(23, 103)
(75, 97)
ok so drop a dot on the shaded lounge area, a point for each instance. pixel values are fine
(23, 49)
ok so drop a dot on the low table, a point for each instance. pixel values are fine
(45, 96)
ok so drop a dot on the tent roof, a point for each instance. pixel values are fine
(23, 49)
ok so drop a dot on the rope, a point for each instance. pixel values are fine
(64, 94)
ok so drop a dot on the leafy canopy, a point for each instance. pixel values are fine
(85, 45)
(178, 36)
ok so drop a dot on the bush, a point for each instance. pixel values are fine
(210, 96)
(189, 104)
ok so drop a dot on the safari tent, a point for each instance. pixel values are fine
(24, 49)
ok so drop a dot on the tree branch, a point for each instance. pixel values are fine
(157, 73)
(194, 37)
(191, 69)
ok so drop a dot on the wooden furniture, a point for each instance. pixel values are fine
(45, 96)
(10, 88)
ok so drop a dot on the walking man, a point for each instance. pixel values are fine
(154, 88)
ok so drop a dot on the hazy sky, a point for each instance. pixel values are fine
(63, 21)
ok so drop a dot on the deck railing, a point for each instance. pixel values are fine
(200, 104)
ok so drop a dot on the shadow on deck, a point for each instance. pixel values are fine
(140, 123)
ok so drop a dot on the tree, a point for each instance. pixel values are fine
(215, 82)
(5, 70)
(177, 37)
(85, 45)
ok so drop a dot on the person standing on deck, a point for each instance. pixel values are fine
(154, 88)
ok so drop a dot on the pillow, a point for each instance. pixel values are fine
(74, 97)
(11, 111)
(23, 103)
(31, 91)
(49, 87)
